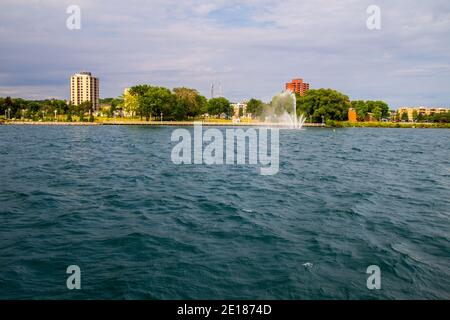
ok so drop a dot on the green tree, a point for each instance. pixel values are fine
(8, 104)
(441, 117)
(188, 103)
(117, 103)
(380, 109)
(255, 107)
(204, 105)
(361, 109)
(405, 117)
(2, 106)
(385, 113)
(327, 103)
(15, 106)
(219, 106)
(83, 108)
(139, 91)
(69, 116)
(162, 101)
(421, 117)
(153, 101)
(110, 105)
(130, 103)
(382, 106)
(377, 113)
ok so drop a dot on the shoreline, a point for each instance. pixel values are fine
(153, 123)
(394, 125)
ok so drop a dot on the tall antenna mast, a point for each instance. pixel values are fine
(212, 90)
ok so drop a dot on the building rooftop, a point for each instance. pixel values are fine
(84, 73)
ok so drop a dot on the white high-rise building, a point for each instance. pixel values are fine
(84, 87)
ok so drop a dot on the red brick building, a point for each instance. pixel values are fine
(298, 86)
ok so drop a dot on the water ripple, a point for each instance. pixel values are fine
(109, 200)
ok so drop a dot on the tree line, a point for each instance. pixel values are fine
(327, 104)
(378, 109)
(18, 108)
(421, 117)
(144, 101)
(154, 103)
(31, 109)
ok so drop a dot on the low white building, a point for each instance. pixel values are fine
(237, 107)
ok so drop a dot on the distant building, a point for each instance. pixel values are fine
(425, 111)
(352, 116)
(392, 115)
(298, 86)
(84, 87)
(237, 107)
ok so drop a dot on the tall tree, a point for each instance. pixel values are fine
(361, 109)
(153, 101)
(327, 103)
(405, 117)
(377, 113)
(188, 103)
(255, 107)
(415, 115)
(219, 106)
(139, 91)
(130, 103)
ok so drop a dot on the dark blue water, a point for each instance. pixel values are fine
(109, 200)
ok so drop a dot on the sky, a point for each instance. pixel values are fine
(251, 48)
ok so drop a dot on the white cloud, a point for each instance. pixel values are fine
(251, 47)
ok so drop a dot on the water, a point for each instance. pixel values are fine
(109, 200)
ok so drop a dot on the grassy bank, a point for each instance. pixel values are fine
(136, 122)
(222, 122)
(404, 125)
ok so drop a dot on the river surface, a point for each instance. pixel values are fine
(109, 200)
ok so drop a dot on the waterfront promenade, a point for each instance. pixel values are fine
(406, 125)
(154, 123)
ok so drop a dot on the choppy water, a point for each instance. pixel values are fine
(109, 200)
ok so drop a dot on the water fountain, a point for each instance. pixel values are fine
(296, 121)
(283, 111)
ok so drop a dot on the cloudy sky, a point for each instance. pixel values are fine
(250, 47)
